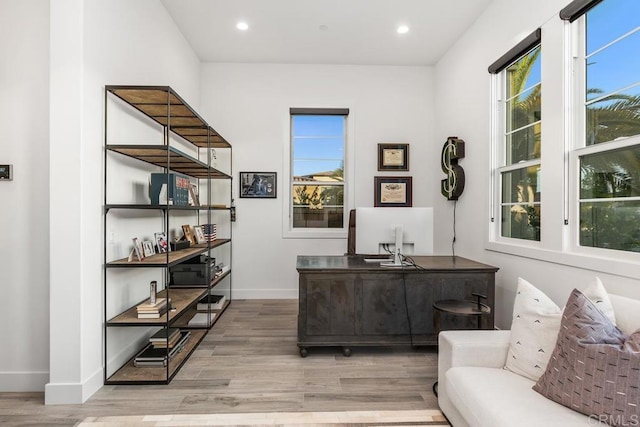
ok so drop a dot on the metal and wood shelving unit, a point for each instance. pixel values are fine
(187, 140)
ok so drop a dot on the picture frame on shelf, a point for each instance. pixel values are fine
(147, 247)
(199, 234)
(258, 185)
(162, 244)
(393, 191)
(194, 199)
(393, 157)
(188, 234)
(137, 249)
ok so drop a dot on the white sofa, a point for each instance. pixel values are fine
(475, 390)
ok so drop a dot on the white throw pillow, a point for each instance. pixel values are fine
(536, 323)
(535, 326)
(599, 296)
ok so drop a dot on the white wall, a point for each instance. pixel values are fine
(93, 44)
(463, 109)
(249, 105)
(24, 216)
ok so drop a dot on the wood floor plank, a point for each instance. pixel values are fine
(249, 363)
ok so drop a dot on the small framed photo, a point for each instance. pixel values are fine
(188, 234)
(199, 234)
(393, 157)
(258, 185)
(193, 195)
(147, 246)
(162, 244)
(137, 249)
(393, 191)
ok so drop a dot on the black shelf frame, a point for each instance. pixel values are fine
(165, 107)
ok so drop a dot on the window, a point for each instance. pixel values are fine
(317, 184)
(518, 140)
(608, 155)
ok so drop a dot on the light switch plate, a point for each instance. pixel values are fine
(6, 172)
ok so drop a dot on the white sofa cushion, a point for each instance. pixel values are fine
(595, 367)
(536, 323)
(494, 397)
(534, 329)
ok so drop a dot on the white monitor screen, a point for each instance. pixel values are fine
(376, 229)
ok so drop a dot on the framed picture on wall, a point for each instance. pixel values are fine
(392, 191)
(258, 185)
(393, 157)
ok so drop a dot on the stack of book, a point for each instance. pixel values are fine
(160, 340)
(221, 269)
(215, 301)
(151, 356)
(146, 310)
(202, 319)
(209, 231)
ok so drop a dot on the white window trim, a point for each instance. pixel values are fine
(559, 239)
(498, 158)
(349, 180)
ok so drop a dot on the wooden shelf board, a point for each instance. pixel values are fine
(181, 300)
(178, 161)
(129, 374)
(160, 260)
(163, 105)
(169, 207)
(183, 321)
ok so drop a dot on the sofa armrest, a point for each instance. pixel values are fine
(486, 348)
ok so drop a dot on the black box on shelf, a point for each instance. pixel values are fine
(177, 191)
(180, 244)
(192, 274)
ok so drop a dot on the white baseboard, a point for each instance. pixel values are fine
(23, 381)
(72, 393)
(264, 294)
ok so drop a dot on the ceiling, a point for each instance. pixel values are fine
(361, 32)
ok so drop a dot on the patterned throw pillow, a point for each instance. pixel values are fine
(535, 326)
(595, 367)
(534, 330)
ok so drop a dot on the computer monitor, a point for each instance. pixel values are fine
(394, 231)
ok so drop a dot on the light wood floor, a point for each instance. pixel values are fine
(249, 362)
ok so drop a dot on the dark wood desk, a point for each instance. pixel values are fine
(345, 301)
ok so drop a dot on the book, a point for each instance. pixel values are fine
(216, 301)
(151, 356)
(159, 339)
(161, 335)
(172, 342)
(200, 319)
(147, 306)
(152, 314)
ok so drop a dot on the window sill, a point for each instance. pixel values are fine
(619, 263)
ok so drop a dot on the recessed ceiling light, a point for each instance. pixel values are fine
(242, 26)
(323, 27)
(402, 29)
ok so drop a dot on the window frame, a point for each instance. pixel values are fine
(499, 166)
(578, 144)
(562, 144)
(288, 232)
